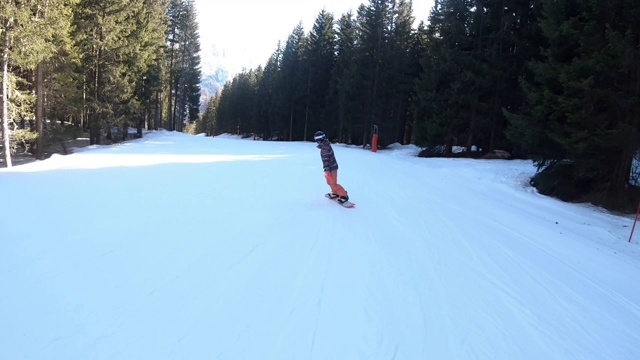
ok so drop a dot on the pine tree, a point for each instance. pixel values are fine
(509, 36)
(176, 13)
(343, 103)
(442, 95)
(207, 123)
(7, 25)
(104, 32)
(342, 80)
(383, 71)
(400, 82)
(373, 56)
(52, 27)
(584, 120)
(225, 117)
(267, 97)
(475, 58)
(293, 84)
(188, 83)
(236, 109)
(244, 88)
(63, 81)
(184, 64)
(418, 50)
(321, 57)
(29, 32)
(151, 25)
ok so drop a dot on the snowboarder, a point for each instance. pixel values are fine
(330, 167)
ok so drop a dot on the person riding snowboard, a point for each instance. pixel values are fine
(330, 167)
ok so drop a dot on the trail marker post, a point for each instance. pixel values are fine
(374, 139)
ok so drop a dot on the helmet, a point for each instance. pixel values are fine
(319, 136)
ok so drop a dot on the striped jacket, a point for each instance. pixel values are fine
(329, 162)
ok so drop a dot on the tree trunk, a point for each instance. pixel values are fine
(158, 119)
(40, 111)
(374, 92)
(143, 121)
(471, 129)
(4, 62)
(291, 122)
(619, 179)
(96, 117)
(306, 113)
(84, 113)
(170, 118)
(174, 103)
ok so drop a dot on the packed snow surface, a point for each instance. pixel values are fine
(190, 247)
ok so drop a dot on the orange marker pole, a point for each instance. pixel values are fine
(374, 139)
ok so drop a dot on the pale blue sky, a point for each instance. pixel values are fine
(244, 33)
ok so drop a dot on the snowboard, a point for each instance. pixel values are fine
(347, 204)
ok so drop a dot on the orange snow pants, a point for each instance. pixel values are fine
(332, 181)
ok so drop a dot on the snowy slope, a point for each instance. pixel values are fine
(183, 247)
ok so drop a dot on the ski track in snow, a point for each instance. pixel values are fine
(441, 258)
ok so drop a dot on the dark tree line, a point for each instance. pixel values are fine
(343, 76)
(581, 121)
(554, 80)
(103, 66)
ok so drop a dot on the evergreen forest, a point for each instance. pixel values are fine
(102, 67)
(556, 81)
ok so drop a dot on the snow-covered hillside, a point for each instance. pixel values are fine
(187, 247)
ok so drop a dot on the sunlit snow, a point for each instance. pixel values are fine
(189, 247)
